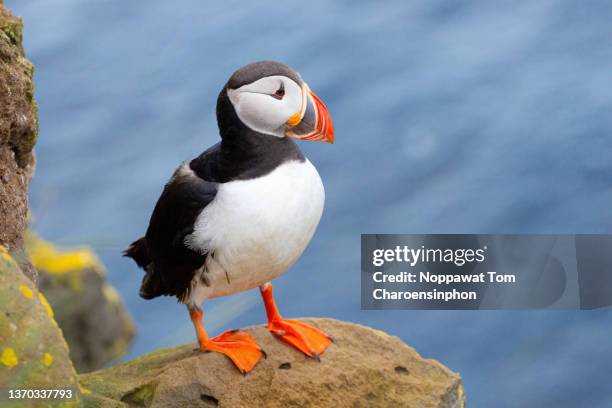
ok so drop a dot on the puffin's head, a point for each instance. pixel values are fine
(271, 98)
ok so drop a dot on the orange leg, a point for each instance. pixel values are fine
(239, 346)
(309, 340)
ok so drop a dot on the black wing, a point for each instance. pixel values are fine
(162, 253)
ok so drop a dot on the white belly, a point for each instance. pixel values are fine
(254, 230)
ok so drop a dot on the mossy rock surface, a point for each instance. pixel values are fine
(18, 111)
(33, 353)
(362, 368)
(88, 309)
(18, 132)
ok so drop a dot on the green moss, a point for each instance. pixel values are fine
(115, 382)
(141, 396)
(13, 28)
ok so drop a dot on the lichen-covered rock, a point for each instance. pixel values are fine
(89, 311)
(18, 131)
(362, 368)
(33, 353)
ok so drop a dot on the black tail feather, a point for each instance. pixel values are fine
(139, 252)
(151, 286)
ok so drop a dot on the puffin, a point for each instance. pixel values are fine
(241, 213)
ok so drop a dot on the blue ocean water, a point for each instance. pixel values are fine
(483, 117)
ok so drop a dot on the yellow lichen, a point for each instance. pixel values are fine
(4, 254)
(84, 390)
(47, 359)
(381, 333)
(68, 404)
(26, 292)
(461, 396)
(44, 255)
(46, 304)
(8, 357)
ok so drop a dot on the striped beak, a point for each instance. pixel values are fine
(313, 121)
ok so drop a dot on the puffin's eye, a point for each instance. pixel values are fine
(280, 92)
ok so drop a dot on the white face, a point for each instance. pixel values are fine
(266, 104)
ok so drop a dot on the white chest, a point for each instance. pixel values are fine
(256, 229)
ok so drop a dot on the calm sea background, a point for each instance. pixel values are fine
(456, 117)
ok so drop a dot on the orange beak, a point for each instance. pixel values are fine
(313, 122)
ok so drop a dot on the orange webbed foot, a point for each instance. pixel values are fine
(308, 339)
(238, 346)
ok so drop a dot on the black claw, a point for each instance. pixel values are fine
(316, 356)
(265, 355)
(233, 330)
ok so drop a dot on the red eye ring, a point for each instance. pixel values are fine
(280, 92)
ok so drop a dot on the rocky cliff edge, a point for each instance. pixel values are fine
(362, 368)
